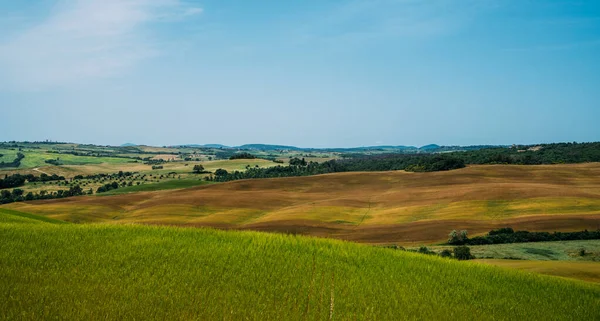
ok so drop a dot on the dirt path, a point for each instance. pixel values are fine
(40, 171)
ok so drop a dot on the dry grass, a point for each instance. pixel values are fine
(374, 207)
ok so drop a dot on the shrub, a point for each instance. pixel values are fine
(446, 253)
(243, 155)
(462, 253)
(424, 250)
(458, 238)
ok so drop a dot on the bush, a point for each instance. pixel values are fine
(504, 230)
(446, 253)
(424, 250)
(458, 238)
(243, 155)
(462, 253)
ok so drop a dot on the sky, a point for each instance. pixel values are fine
(308, 73)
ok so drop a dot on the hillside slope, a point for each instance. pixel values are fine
(374, 207)
(88, 272)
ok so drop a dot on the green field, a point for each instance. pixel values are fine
(539, 251)
(83, 272)
(542, 251)
(37, 158)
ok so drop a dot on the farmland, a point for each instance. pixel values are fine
(372, 207)
(156, 191)
(139, 272)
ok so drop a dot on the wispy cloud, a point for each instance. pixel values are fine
(86, 39)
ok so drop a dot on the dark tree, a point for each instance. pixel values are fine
(198, 168)
(221, 172)
(462, 253)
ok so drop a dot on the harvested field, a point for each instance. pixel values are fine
(370, 207)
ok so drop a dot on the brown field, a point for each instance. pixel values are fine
(372, 207)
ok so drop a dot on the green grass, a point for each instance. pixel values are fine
(88, 272)
(10, 216)
(8, 155)
(542, 251)
(37, 159)
(171, 184)
(554, 251)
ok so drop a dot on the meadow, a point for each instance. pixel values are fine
(393, 207)
(71, 271)
(564, 259)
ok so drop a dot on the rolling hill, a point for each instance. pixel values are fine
(90, 272)
(371, 207)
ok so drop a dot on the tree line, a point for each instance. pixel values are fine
(300, 167)
(508, 235)
(18, 195)
(558, 153)
(17, 180)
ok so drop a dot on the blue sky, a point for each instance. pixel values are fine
(305, 73)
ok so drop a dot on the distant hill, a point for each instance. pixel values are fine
(202, 146)
(430, 147)
(215, 146)
(268, 147)
(128, 145)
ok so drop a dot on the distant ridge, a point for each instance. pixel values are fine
(431, 148)
(268, 147)
(128, 145)
(202, 146)
(215, 146)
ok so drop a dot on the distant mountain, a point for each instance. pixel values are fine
(128, 145)
(268, 147)
(215, 146)
(202, 146)
(431, 148)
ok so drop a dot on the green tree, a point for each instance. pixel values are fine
(221, 172)
(198, 168)
(462, 253)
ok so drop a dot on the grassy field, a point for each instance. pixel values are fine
(37, 158)
(90, 272)
(99, 167)
(538, 251)
(542, 251)
(585, 271)
(175, 175)
(374, 207)
(562, 259)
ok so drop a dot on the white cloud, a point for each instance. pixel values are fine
(85, 39)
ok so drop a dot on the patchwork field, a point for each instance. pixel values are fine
(101, 271)
(184, 168)
(371, 207)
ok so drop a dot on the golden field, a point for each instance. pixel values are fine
(371, 207)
